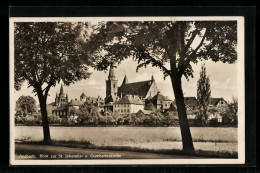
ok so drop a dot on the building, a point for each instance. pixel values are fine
(145, 112)
(128, 104)
(63, 110)
(218, 103)
(159, 101)
(59, 107)
(215, 116)
(97, 101)
(61, 99)
(114, 93)
(191, 103)
(143, 89)
(111, 87)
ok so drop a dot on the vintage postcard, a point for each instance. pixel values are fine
(127, 90)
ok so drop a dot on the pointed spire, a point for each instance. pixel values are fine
(125, 81)
(111, 74)
(61, 89)
(152, 78)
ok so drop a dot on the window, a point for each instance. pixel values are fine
(127, 110)
(114, 85)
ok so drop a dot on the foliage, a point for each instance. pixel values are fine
(157, 42)
(88, 114)
(54, 119)
(18, 119)
(25, 105)
(149, 106)
(230, 115)
(46, 53)
(203, 95)
(170, 119)
(72, 111)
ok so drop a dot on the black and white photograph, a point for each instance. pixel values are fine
(127, 90)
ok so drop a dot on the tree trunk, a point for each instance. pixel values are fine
(45, 122)
(183, 121)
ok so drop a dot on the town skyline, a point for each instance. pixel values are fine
(223, 82)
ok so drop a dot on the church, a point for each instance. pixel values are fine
(133, 93)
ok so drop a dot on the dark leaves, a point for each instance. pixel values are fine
(46, 53)
(158, 43)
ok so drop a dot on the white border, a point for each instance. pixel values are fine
(240, 84)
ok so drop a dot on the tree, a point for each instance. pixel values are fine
(203, 95)
(230, 115)
(45, 54)
(169, 45)
(25, 105)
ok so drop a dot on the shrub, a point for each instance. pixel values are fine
(18, 120)
(29, 120)
(53, 119)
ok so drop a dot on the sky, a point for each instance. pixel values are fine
(223, 81)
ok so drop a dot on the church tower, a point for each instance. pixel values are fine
(111, 83)
(61, 98)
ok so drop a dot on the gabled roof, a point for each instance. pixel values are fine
(136, 88)
(75, 103)
(191, 101)
(62, 107)
(146, 112)
(215, 101)
(160, 97)
(83, 95)
(52, 104)
(125, 80)
(129, 99)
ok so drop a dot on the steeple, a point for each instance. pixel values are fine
(111, 74)
(152, 79)
(61, 89)
(111, 83)
(125, 81)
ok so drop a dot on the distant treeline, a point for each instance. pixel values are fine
(88, 115)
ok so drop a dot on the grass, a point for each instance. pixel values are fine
(208, 141)
(122, 135)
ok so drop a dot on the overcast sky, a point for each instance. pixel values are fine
(223, 81)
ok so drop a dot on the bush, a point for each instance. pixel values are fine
(30, 120)
(54, 119)
(19, 120)
(213, 122)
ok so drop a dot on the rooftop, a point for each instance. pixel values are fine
(214, 101)
(191, 101)
(161, 97)
(75, 103)
(136, 88)
(130, 99)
